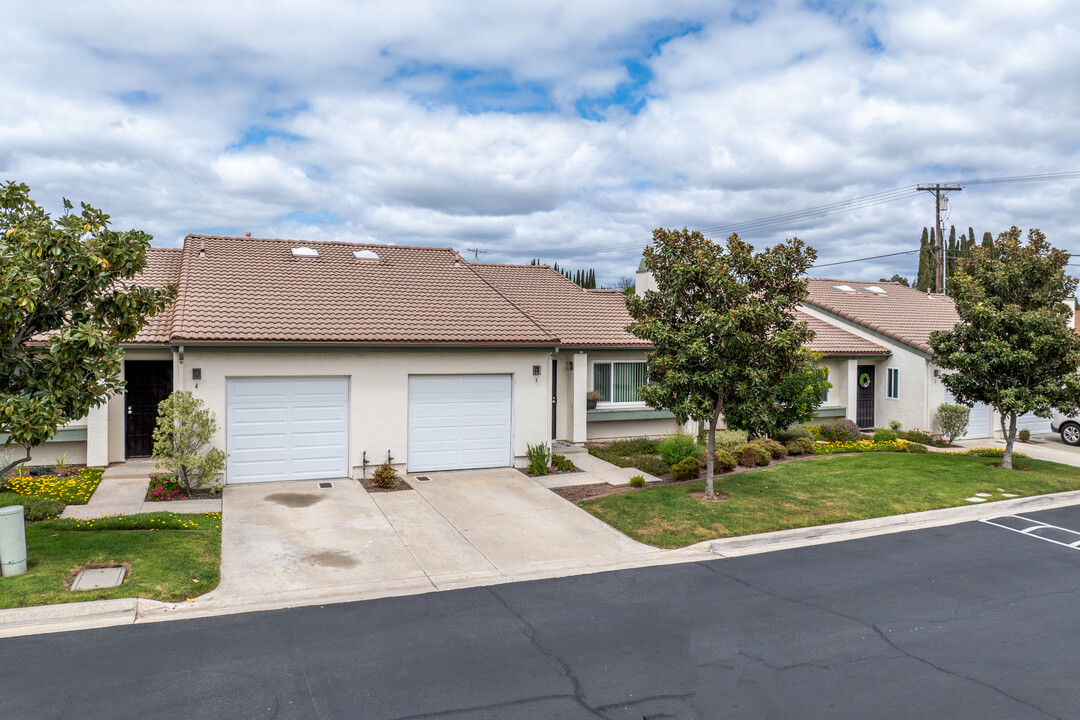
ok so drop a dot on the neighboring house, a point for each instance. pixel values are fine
(323, 359)
(874, 338)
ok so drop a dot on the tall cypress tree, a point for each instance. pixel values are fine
(988, 240)
(951, 251)
(925, 276)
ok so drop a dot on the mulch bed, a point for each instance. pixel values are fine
(199, 494)
(579, 493)
(551, 471)
(399, 484)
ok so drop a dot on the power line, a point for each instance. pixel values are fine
(872, 257)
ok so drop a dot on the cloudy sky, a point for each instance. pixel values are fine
(560, 130)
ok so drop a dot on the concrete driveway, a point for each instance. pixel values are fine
(293, 539)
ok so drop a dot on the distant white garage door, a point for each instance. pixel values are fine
(460, 421)
(978, 421)
(1032, 423)
(287, 428)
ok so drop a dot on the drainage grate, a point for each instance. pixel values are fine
(325, 485)
(423, 478)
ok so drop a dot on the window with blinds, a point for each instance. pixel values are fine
(618, 382)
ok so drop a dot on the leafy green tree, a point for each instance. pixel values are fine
(1013, 348)
(67, 304)
(793, 400)
(899, 279)
(184, 427)
(722, 325)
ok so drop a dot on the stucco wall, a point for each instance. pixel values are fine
(619, 429)
(378, 388)
(49, 453)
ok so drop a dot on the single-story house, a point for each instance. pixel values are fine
(325, 359)
(874, 339)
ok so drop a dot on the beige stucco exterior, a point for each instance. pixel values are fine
(378, 387)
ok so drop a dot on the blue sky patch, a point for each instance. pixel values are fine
(260, 134)
(138, 98)
(322, 217)
(475, 90)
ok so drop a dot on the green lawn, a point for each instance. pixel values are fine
(822, 490)
(170, 557)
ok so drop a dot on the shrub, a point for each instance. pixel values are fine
(563, 463)
(635, 446)
(915, 448)
(806, 445)
(723, 461)
(62, 467)
(34, 508)
(675, 448)
(385, 475)
(652, 464)
(895, 425)
(814, 430)
(728, 439)
(163, 487)
(1025, 435)
(752, 455)
(685, 469)
(786, 436)
(776, 450)
(184, 427)
(840, 431)
(539, 458)
(953, 420)
(882, 435)
(637, 481)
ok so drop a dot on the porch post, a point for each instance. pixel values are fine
(97, 436)
(852, 389)
(578, 387)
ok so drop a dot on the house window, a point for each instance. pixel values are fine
(618, 382)
(828, 386)
(892, 389)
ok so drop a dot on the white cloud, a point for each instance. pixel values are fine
(390, 122)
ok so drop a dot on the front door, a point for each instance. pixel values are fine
(554, 395)
(864, 397)
(148, 383)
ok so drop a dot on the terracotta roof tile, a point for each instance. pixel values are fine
(582, 318)
(162, 268)
(901, 313)
(254, 289)
(833, 340)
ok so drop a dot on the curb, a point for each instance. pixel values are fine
(128, 611)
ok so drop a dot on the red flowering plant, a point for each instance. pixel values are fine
(164, 487)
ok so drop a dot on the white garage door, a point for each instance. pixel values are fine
(287, 428)
(1033, 423)
(978, 421)
(460, 421)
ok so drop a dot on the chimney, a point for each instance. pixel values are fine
(202, 247)
(247, 234)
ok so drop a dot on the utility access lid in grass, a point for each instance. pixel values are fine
(95, 578)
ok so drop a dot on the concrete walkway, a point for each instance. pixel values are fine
(122, 491)
(593, 470)
(1042, 447)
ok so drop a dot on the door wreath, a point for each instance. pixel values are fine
(864, 380)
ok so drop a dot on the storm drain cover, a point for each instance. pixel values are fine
(99, 578)
(326, 485)
(423, 478)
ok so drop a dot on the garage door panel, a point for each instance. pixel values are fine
(459, 421)
(287, 428)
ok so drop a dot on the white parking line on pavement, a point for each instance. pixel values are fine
(1036, 529)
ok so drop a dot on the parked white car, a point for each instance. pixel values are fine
(1069, 427)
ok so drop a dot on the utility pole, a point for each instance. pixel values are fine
(940, 204)
(476, 253)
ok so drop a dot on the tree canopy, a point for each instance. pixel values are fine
(67, 304)
(1013, 348)
(725, 336)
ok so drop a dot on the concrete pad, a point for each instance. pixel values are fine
(436, 545)
(99, 578)
(115, 496)
(289, 536)
(603, 471)
(513, 521)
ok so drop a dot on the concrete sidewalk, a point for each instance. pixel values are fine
(122, 491)
(593, 470)
(1042, 447)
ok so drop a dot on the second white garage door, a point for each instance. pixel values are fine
(459, 422)
(286, 428)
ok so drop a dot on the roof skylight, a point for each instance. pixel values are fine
(365, 255)
(305, 252)
(844, 288)
(875, 290)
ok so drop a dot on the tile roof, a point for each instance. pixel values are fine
(162, 268)
(832, 340)
(901, 313)
(255, 289)
(578, 317)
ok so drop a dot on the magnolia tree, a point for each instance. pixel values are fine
(1013, 348)
(726, 340)
(67, 304)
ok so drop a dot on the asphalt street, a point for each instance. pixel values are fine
(967, 621)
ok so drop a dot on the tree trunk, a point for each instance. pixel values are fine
(1010, 438)
(15, 463)
(710, 453)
